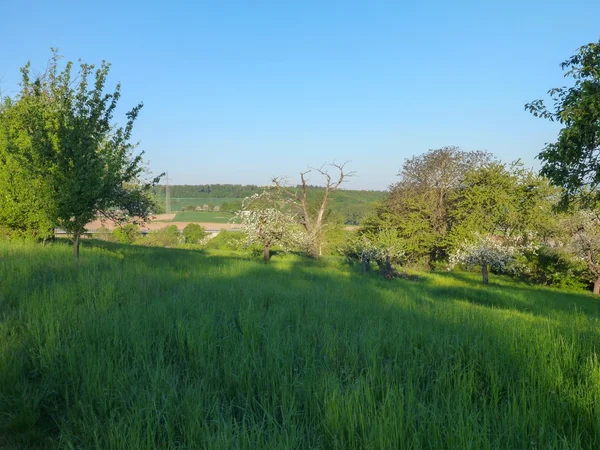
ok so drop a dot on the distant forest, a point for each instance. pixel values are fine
(349, 207)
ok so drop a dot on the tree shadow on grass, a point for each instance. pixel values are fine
(509, 294)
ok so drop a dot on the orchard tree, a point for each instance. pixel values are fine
(419, 204)
(267, 220)
(573, 161)
(486, 252)
(94, 170)
(505, 200)
(584, 242)
(383, 247)
(313, 219)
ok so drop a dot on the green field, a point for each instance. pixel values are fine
(149, 348)
(178, 203)
(197, 216)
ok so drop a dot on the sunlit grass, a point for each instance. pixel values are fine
(138, 348)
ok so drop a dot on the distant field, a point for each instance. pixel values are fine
(178, 203)
(194, 216)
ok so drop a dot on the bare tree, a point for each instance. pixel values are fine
(312, 220)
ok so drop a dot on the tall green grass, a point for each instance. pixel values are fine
(148, 348)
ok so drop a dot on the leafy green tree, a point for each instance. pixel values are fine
(27, 209)
(572, 161)
(419, 205)
(93, 169)
(502, 199)
(193, 233)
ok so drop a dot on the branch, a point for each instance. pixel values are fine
(334, 185)
(279, 183)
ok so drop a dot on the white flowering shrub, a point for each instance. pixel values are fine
(267, 220)
(383, 247)
(487, 252)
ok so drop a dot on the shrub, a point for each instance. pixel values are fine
(165, 237)
(127, 234)
(383, 247)
(552, 267)
(193, 233)
(226, 240)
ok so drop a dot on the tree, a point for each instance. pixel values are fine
(27, 209)
(573, 161)
(93, 168)
(193, 233)
(312, 219)
(584, 242)
(505, 200)
(127, 234)
(485, 252)
(419, 205)
(265, 219)
(383, 247)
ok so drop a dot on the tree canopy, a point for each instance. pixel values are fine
(66, 159)
(573, 161)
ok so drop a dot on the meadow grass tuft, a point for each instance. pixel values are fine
(149, 348)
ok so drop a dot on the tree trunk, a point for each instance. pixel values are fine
(267, 253)
(365, 265)
(313, 250)
(76, 239)
(597, 286)
(484, 274)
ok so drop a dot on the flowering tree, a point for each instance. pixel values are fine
(266, 220)
(383, 247)
(485, 252)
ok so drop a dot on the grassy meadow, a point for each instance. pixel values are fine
(151, 348)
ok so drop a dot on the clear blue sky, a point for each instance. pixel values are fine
(236, 92)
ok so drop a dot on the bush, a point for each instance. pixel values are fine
(226, 240)
(165, 237)
(552, 267)
(126, 234)
(193, 233)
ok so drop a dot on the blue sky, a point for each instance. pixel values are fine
(237, 92)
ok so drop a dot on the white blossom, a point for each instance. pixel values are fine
(488, 250)
(267, 220)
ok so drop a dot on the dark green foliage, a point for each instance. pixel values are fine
(572, 161)
(193, 233)
(231, 206)
(553, 267)
(127, 234)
